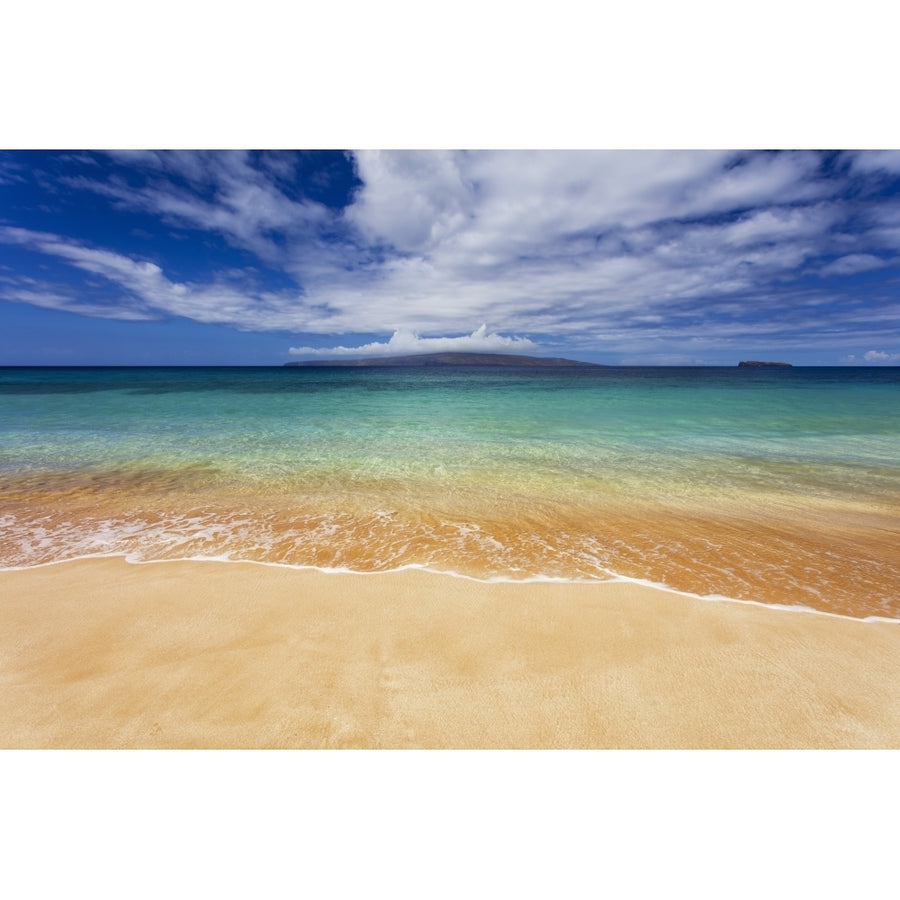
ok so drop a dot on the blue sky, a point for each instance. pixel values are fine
(634, 257)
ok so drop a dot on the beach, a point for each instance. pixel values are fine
(473, 558)
(778, 486)
(103, 653)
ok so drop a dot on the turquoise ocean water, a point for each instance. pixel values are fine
(777, 485)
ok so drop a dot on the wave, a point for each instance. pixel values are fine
(614, 578)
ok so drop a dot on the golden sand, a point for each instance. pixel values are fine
(99, 653)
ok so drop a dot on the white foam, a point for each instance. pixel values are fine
(134, 559)
(206, 538)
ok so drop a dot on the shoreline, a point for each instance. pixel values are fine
(614, 578)
(103, 653)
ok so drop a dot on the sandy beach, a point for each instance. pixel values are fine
(100, 653)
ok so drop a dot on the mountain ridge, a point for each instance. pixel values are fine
(449, 358)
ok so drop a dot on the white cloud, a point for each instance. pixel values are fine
(560, 242)
(501, 202)
(880, 356)
(850, 265)
(594, 249)
(779, 224)
(412, 199)
(875, 160)
(240, 202)
(404, 342)
(46, 297)
(146, 292)
(10, 172)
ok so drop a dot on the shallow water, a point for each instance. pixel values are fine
(778, 485)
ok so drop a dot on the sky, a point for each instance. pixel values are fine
(656, 257)
(183, 258)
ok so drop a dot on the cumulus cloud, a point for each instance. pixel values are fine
(880, 356)
(404, 342)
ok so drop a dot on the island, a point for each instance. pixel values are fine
(755, 364)
(451, 359)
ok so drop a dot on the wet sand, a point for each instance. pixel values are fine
(753, 545)
(99, 653)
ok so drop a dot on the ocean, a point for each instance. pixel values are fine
(777, 485)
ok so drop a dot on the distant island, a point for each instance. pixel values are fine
(450, 359)
(755, 363)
